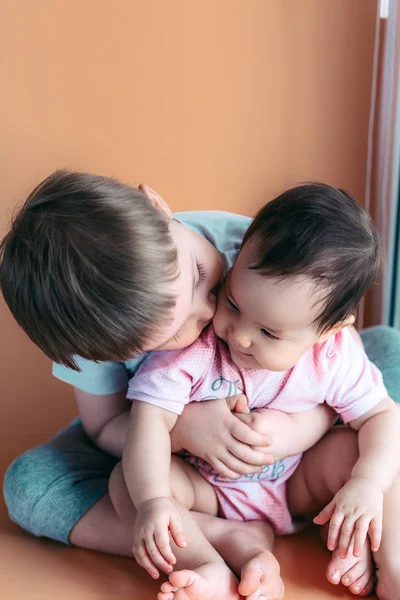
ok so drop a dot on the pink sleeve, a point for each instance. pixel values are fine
(166, 378)
(356, 385)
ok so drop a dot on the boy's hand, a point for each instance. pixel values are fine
(275, 424)
(356, 510)
(211, 431)
(156, 519)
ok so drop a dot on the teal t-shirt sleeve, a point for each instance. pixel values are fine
(225, 231)
(94, 378)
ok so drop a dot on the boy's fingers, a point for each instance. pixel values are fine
(245, 434)
(239, 403)
(162, 541)
(248, 455)
(375, 533)
(176, 530)
(239, 466)
(360, 535)
(224, 470)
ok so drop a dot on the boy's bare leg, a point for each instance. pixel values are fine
(200, 572)
(322, 472)
(101, 530)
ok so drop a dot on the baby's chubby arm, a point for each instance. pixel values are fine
(357, 508)
(146, 462)
(292, 433)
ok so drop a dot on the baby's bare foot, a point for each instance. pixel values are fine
(355, 573)
(260, 578)
(211, 581)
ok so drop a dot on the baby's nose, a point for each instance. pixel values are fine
(240, 339)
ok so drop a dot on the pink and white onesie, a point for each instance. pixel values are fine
(337, 372)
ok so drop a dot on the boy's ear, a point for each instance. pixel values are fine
(348, 322)
(156, 200)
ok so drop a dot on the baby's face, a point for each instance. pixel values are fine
(266, 322)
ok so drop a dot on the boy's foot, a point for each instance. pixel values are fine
(260, 578)
(355, 573)
(211, 581)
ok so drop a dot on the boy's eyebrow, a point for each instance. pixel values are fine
(229, 292)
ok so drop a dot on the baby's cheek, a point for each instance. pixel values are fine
(275, 360)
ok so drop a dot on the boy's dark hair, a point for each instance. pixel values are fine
(84, 268)
(323, 233)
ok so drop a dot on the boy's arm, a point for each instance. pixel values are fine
(105, 419)
(146, 463)
(291, 433)
(207, 429)
(356, 510)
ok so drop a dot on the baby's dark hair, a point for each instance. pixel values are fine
(85, 266)
(320, 232)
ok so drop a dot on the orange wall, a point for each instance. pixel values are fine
(216, 104)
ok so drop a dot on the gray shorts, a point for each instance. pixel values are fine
(48, 489)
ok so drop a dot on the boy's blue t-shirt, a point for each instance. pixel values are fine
(225, 231)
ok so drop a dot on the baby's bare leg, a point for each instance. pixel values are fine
(248, 549)
(387, 558)
(323, 471)
(200, 572)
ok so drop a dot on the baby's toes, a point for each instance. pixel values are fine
(165, 596)
(363, 586)
(167, 591)
(357, 571)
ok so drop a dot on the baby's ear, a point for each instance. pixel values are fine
(348, 322)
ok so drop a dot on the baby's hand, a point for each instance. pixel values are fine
(356, 510)
(155, 520)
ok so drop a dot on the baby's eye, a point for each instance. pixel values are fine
(269, 335)
(233, 306)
